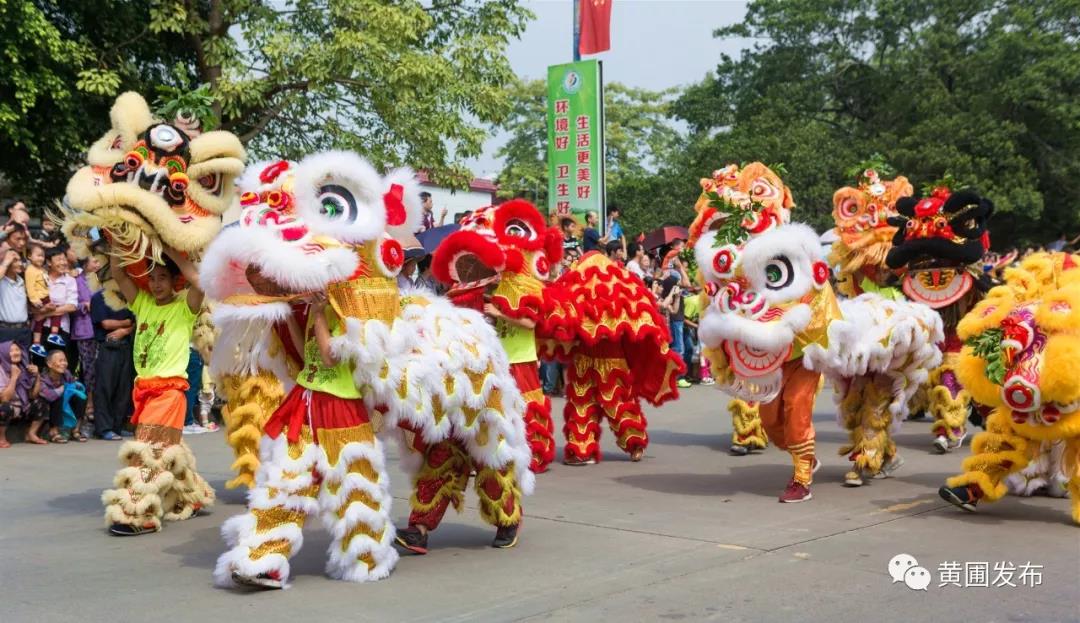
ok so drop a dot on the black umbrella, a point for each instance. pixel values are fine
(434, 236)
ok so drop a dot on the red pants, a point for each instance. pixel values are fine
(599, 385)
(539, 429)
(442, 481)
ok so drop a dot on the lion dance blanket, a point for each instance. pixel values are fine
(306, 285)
(597, 318)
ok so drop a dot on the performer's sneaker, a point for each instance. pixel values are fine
(890, 467)
(123, 529)
(271, 580)
(953, 445)
(683, 383)
(412, 539)
(708, 381)
(738, 450)
(576, 462)
(941, 444)
(795, 492)
(505, 537)
(963, 497)
(853, 479)
(637, 454)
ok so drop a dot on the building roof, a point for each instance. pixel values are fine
(478, 184)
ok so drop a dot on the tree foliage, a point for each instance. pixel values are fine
(639, 137)
(405, 82)
(62, 63)
(984, 90)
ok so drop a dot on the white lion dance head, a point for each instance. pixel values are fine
(766, 277)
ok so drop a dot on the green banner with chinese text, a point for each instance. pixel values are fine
(575, 118)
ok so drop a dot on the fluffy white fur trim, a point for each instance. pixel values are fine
(717, 327)
(228, 256)
(359, 178)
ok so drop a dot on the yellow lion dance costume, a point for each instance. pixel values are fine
(152, 182)
(1022, 343)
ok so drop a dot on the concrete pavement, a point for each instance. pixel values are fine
(690, 533)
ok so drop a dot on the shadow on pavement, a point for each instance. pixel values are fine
(765, 480)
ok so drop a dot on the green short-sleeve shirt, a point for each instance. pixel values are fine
(162, 336)
(338, 380)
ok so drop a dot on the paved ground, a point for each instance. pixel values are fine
(688, 534)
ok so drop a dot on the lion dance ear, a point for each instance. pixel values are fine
(553, 245)
(401, 198)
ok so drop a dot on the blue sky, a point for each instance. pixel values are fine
(655, 44)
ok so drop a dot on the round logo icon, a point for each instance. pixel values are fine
(571, 82)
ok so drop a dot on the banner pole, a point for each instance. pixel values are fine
(577, 30)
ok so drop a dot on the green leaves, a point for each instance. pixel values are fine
(98, 81)
(876, 162)
(988, 91)
(987, 346)
(731, 229)
(409, 82)
(199, 103)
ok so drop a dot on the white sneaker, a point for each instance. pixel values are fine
(194, 429)
(941, 444)
(853, 479)
(953, 445)
(890, 468)
(708, 382)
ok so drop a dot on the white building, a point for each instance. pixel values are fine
(481, 192)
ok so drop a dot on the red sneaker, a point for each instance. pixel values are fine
(795, 492)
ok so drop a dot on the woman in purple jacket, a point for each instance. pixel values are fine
(82, 330)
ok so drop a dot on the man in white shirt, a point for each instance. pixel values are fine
(636, 252)
(14, 319)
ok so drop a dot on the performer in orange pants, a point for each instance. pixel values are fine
(157, 479)
(789, 423)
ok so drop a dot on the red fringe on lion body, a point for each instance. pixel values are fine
(604, 304)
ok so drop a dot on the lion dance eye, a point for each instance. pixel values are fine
(519, 229)
(337, 203)
(778, 273)
(178, 182)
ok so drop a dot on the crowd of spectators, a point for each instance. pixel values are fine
(66, 364)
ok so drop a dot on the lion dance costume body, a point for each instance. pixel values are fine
(939, 244)
(151, 182)
(774, 326)
(597, 318)
(407, 365)
(1022, 343)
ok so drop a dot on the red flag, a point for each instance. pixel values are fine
(595, 26)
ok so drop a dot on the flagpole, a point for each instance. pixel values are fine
(577, 30)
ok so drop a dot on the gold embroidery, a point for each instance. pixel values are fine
(333, 440)
(158, 434)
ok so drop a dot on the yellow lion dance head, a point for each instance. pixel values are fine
(863, 234)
